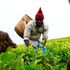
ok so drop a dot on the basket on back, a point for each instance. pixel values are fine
(19, 28)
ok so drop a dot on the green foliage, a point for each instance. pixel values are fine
(23, 58)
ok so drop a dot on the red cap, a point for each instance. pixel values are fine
(39, 15)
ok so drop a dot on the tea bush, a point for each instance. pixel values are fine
(23, 58)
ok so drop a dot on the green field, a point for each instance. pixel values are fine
(23, 58)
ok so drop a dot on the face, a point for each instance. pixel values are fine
(39, 23)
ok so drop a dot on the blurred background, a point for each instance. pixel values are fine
(56, 13)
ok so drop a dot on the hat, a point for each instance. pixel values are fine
(39, 15)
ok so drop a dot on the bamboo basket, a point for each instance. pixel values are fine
(19, 28)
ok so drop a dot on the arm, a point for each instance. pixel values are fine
(45, 40)
(45, 35)
(26, 35)
(27, 42)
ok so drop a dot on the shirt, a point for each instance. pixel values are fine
(32, 26)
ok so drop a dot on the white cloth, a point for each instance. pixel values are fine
(31, 25)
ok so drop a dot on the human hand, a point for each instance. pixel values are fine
(44, 49)
(38, 45)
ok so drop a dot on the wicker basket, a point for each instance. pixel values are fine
(19, 28)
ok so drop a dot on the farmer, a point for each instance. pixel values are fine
(35, 29)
